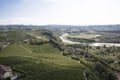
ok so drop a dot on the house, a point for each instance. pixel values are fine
(4, 44)
(26, 40)
(5, 72)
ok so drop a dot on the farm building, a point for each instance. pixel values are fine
(6, 72)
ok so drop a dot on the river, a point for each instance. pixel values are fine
(65, 40)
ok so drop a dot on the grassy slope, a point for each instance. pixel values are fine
(43, 49)
(42, 62)
(13, 35)
(16, 50)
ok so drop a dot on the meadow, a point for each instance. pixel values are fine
(83, 35)
(48, 63)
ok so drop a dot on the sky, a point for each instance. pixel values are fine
(65, 12)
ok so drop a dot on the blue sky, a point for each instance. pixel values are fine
(72, 12)
(7, 8)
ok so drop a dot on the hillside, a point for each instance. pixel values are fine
(38, 65)
(16, 50)
(42, 56)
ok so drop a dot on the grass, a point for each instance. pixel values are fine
(43, 49)
(13, 35)
(41, 65)
(44, 62)
(16, 50)
(85, 36)
(62, 74)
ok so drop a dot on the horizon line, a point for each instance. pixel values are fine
(58, 24)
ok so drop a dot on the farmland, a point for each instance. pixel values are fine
(39, 54)
(86, 36)
(36, 65)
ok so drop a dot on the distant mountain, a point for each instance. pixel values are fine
(89, 27)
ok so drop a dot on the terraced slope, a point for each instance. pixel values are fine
(16, 50)
(44, 62)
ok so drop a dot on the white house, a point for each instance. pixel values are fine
(5, 72)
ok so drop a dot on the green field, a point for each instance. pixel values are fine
(16, 50)
(85, 36)
(45, 57)
(41, 62)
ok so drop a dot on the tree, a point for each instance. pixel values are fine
(112, 77)
(0, 47)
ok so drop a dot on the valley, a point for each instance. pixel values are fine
(60, 52)
(65, 40)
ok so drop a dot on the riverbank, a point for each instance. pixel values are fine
(67, 41)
